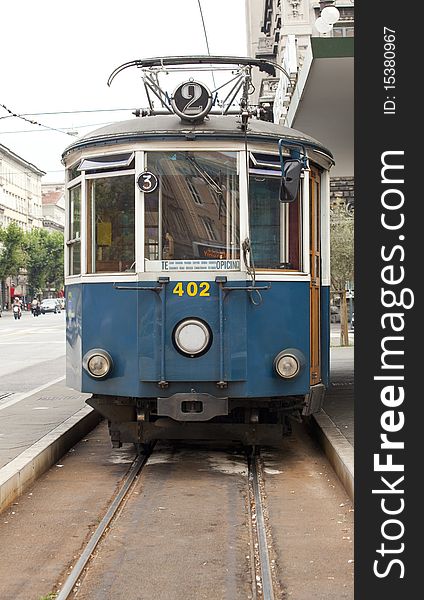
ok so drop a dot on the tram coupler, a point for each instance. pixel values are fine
(192, 407)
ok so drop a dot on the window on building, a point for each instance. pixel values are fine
(196, 196)
(339, 31)
(210, 230)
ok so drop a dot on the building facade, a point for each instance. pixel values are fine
(20, 203)
(317, 95)
(53, 206)
(20, 191)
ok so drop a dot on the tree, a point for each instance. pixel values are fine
(12, 256)
(35, 241)
(44, 260)
(38, 251)
(342, 261)
(54, 260)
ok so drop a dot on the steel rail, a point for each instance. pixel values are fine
(72, 579)
(266, 575)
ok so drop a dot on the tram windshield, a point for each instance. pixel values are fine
(193, 214)
(274, 226)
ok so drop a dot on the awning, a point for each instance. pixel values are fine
(322, 103)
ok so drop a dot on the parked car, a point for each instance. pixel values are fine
(334, 314)
(50, 305)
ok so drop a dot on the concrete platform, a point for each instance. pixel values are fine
(334, 425)
(36, 429)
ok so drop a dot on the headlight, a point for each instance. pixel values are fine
(192, 337)
(287, 364)
(98, 363)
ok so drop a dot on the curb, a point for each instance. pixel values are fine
(22, 471)
(337, 449)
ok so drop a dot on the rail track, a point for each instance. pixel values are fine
(192, 520)
(77, 571)
(263, 581)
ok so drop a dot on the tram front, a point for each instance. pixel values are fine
(195, 298)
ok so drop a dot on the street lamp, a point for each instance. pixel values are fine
(329, 15)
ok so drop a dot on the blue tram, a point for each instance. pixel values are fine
(197, 265)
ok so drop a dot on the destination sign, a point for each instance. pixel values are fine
(193, 265)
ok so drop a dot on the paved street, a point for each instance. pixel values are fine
(33, 397)
(32, 351)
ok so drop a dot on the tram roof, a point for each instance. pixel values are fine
(167, 127)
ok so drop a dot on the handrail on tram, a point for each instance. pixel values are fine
(162, 281)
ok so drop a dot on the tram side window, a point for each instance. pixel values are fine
(74, 234)
(110, 224)
(194, 212)
(274, 226)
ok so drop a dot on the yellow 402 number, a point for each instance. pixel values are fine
(192, 288)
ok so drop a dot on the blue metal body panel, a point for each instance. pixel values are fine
(73, 295)
(127, 323)
(182, 368)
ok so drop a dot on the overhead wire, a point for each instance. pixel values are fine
(13, 114)
(70, 112)
(65, 130)
(59, 130)
(66, 112)
(206, 37)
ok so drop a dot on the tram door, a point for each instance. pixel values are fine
(315, 266)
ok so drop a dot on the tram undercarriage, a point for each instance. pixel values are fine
(250, 421)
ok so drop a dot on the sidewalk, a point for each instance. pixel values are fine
(335, 423)
(335, 335)
(36, 429)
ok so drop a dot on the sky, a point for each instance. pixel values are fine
(56, 56)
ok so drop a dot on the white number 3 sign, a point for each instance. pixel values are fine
(147, 182)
